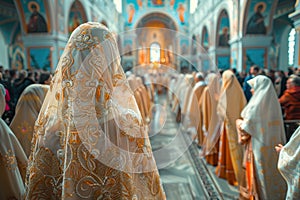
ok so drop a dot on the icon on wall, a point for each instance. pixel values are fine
(40, 58)
(36, 20)
(223, 30)
(255, 56)
(256, 23)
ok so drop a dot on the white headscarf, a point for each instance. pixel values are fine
(90, 127)
(262, 119)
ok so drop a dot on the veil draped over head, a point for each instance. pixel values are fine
(89, 141)
(211, 122)
(262, 119)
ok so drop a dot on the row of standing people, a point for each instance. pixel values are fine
(237, 137)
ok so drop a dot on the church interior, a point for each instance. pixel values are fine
(199, 71)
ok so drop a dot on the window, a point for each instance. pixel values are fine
(193, 6)
(155, 52)
(291, 50)
(118, 4)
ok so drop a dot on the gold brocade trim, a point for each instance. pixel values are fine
(9, 160)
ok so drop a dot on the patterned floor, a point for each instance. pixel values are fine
(185, 176)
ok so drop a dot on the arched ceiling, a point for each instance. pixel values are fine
(9, 18)
(156, 20)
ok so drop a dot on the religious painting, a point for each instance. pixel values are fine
(40, 58)
(17, 57)
(181, 9)
(181, 12)
(204, 41)
(255, 56)
(156, 3)
(223, 30)
(35, 16)
(223, 62)
(77, 16)
(258, 17)
(130, 10)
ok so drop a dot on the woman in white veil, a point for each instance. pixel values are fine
(261, 130)
(89, 141)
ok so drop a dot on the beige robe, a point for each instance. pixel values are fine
(231, 103)
(145, 99)
(194, 111)
(90, 141)
(27, 111)
(13, 160)
(289, 165)
(211, 123)
(262, 119)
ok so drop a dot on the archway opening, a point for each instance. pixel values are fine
(155, 39)
(154, 52)
(77, 16)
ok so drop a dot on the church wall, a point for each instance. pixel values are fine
(243, 44)
(46, 44)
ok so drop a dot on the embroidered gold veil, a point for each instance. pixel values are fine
(89, 141)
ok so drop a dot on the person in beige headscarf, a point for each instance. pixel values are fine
(13, 160)
(176, 97)
(145, 98)
(185, 94)
(210, 119)
(260, 130)
(231, 103)
(90, 141)
(194, 113)
(183, 87)
(27, 111)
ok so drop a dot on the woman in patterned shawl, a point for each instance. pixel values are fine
(89, 140)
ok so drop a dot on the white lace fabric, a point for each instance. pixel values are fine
(91, 129)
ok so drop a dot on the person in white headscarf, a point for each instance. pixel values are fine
(90, 141)
(13, 160)
(289, 164)
(260, 130)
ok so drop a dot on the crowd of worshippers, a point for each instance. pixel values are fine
(238, 123)
(240, 128)
(15, 82)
